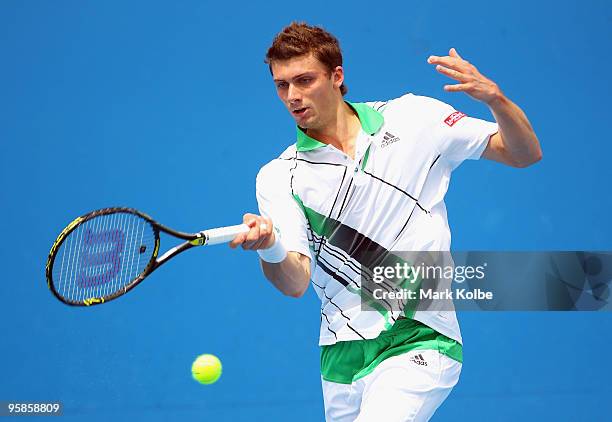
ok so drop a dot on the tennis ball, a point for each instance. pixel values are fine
(206, 369)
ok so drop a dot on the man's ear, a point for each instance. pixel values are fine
(338, 76)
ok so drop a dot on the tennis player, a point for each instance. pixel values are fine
(363, 180)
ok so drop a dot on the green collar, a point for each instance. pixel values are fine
(371, 121)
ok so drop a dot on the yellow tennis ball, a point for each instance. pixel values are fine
(206, 369)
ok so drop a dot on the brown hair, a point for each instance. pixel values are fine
(299, 39)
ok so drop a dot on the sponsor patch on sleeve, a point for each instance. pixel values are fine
(454, 118)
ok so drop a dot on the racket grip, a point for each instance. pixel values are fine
(224, 234)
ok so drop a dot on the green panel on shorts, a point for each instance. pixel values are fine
(347, 361)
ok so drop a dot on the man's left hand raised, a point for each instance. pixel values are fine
(472, 82)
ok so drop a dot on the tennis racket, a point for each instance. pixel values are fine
(106, 253)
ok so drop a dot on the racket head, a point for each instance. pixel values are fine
(102, 255)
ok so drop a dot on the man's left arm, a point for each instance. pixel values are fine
(516, 144)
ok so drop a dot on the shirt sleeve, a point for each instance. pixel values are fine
(461, 137)
(276, 202)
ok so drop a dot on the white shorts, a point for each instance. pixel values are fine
(407, 387)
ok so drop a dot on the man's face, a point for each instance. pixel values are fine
(308, 90)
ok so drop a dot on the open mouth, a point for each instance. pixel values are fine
(299, 112)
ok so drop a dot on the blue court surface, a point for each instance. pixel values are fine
(169, 108)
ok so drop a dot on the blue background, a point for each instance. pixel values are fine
(169, 108)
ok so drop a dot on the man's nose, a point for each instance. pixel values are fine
(293, 94)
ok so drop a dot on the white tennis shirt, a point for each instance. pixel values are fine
(340, 211)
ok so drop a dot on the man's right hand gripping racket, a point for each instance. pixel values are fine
(106, 253)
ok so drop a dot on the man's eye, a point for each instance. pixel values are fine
(281, 85)
(306, 80)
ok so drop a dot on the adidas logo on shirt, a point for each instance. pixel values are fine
(388, 139)
(419, 360)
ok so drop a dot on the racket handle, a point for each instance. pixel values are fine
(224, 234)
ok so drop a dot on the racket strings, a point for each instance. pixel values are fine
(102, 256)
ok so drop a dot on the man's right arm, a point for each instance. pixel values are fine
(292, 275)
